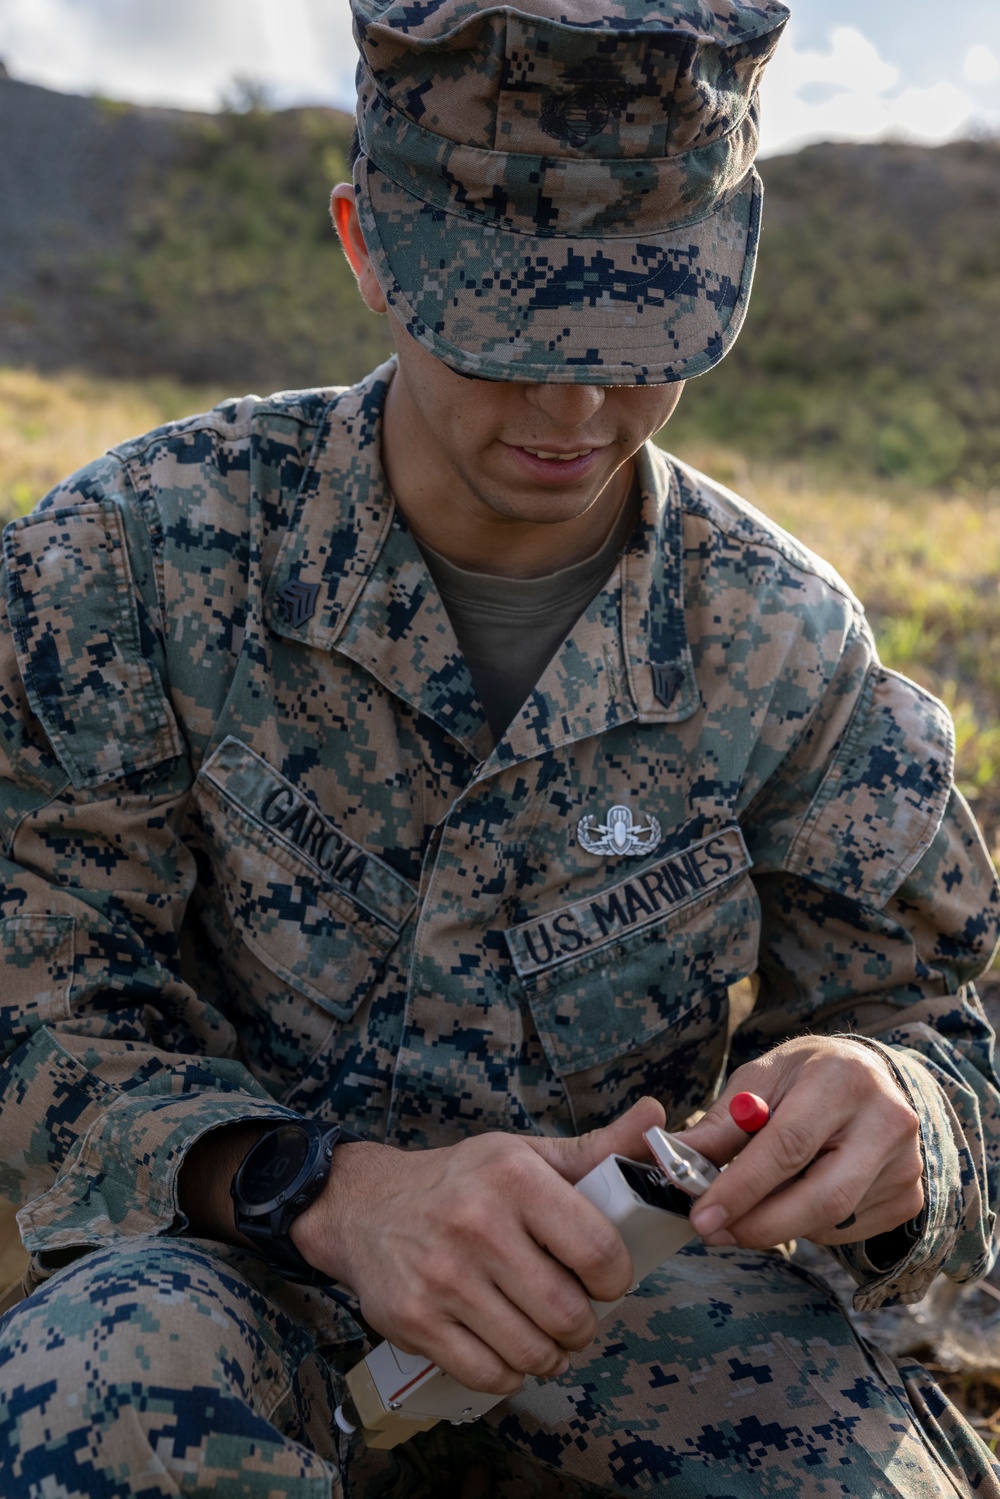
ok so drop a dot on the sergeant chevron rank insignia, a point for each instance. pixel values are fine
(299, 600)
(619, 835)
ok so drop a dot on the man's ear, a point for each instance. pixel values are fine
(344, 212)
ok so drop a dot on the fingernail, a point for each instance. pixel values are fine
(719, 1241)
(559, 1369)
(708, 1220)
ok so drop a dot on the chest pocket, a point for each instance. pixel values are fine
(289, 897)
(628, 989)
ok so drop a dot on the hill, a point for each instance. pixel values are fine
(144, 242)
(872, 332)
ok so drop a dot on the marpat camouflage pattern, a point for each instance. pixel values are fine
(262, 858)
(551, 195)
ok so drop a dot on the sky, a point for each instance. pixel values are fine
(845, 70)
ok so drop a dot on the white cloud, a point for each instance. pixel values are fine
(981, 65)
(852, 63)
(932, 114)
(849, 92)
(184, 55)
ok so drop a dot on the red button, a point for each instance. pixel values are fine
(749, 1112)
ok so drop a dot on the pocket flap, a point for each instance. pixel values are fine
(603, 975)
(292, 821)
(318, 910)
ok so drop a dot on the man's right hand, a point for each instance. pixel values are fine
(479, 1255)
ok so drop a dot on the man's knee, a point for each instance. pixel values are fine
(140, 1369)
(152, 1308)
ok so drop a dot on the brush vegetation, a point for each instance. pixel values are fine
(871, 345)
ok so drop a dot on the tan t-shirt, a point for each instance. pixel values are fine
(510, 628)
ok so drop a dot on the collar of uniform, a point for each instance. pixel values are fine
(604, 674)
(654, 629)
(628, 656)
(399, 631)
(343, 512)
(349, 552)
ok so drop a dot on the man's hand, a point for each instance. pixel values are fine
(838, 1161)
(479, 1255)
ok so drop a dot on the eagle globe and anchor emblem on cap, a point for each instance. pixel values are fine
(619, 835)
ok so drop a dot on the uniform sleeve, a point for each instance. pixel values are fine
(879, 907)
(110, 1064)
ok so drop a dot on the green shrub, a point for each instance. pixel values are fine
(924, 444)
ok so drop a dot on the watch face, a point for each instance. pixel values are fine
(273, 1165)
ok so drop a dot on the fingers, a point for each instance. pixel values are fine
(486, 1257)
(717, 1135)
(493, 1346)
(782, 1151)
(546, 1259)
(519, 1341)
(553, 1299)
(459, 1352)
(860, 1206)
(842, 1144)
(520, 1315)
(595, 1253)
(474, 1331)
(574, 1234)
(516, 1281)
(832, 1203)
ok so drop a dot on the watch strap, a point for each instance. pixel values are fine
(269, 1231)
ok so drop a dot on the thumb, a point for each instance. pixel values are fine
(574, 1157)
(717, 1135)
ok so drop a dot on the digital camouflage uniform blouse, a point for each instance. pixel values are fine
(261, 854)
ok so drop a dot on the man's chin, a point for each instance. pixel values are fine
(543, 508)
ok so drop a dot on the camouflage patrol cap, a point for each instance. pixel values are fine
(564, 190)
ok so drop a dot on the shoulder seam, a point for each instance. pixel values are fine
(857, 632)
(771, 542)
(138, 447)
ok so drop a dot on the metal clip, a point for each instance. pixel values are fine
(681, 1164)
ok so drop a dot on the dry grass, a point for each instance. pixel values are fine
(977, 1395)
(50, 425)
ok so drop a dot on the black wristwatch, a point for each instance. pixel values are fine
(280, 1176)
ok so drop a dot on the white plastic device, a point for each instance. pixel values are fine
(397, 1394)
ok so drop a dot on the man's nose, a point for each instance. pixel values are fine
(566, 405)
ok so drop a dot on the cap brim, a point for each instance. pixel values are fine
(494, 304)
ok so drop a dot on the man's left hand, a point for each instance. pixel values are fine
(838, 1161)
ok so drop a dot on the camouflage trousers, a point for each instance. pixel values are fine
(179, 1367)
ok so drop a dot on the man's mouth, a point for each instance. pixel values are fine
(548, 454)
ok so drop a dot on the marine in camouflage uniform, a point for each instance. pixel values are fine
(264, 859)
